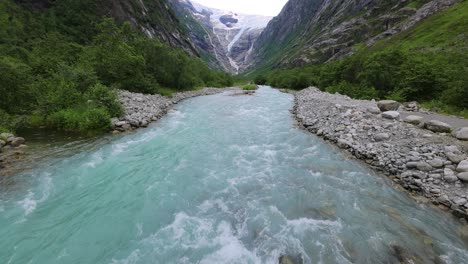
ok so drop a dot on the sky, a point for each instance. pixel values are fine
(253, 7)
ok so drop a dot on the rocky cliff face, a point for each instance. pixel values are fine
(316, 31)
(228, 36)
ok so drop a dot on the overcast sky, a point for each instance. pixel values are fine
(255, 7)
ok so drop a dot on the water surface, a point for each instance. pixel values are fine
(221, 179)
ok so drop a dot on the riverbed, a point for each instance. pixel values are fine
(220, 179)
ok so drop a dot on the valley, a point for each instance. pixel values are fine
(183, 132)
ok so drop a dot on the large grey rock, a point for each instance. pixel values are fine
(382, 137)
(436, 163)
(374, 110)
(2, 143)
(391, 115)
(463, 176)
(438, 126)
(463, 166)
(414, 119)
(424, 166)
(461, 133)
(388, 105)
(455, 158)
(16, 141)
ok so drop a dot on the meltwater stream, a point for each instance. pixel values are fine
(221, 179)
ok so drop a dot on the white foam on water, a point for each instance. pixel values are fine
(96, 159)
(231, 249)
(133, 258)
(30, 202)
(302, 225)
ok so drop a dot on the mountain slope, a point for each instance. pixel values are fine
(427, 62)
(227, 36)
(320, 30)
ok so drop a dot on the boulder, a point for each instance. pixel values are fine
(461, 133)
(463, 166)
(6, 135)
(415, 120)
(411, 106)
(16, 141)
(423, 166)
(463, 176)
(438, 126)
(2, 143)
(388, 105)
(454, 154)
(391, 115)
(381, 137)
(374, 110)
(436, 163)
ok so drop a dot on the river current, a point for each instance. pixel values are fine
(220, 179)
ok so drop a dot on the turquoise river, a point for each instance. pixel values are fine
(220, 179)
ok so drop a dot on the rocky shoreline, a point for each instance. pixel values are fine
(420, 155)
(142, 109)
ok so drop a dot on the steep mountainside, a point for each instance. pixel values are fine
(322, 30)
(228, 36)
(153, 17)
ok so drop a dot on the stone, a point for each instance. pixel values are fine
(450, 179)
(381, 137)
(411, 106)
(391, 115)
(120, 124)
(423, 166)
(436, 163)
(412, 165)
(438, 126)
(455, 158)
(461, 133)
(2, 143)
(463, 176)
(6, 135)
(460, 201)
(388, 105)
(16, 141)
(342, 143)
(415, 120)
(374, 110)
(463, 166)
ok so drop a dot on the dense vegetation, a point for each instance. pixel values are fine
(428, 63)
(60, 67)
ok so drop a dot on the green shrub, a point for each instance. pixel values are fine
(82, 120)
(249, 87)
(103, 96)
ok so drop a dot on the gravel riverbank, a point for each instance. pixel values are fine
(427, 163)
(142, 109)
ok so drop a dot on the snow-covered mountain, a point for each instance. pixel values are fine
(234, 34)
